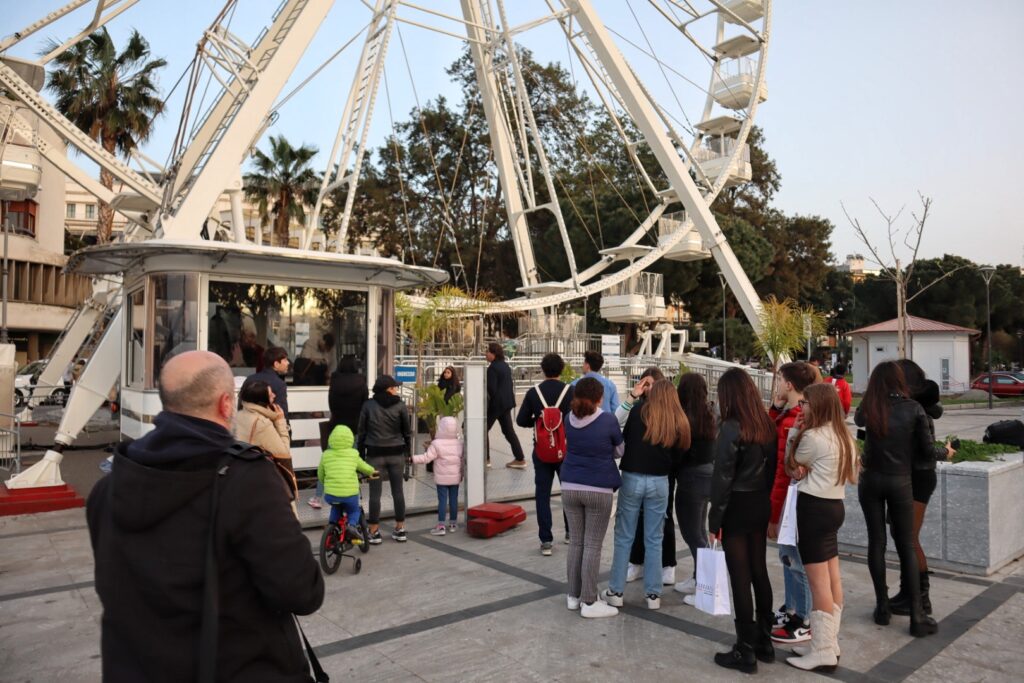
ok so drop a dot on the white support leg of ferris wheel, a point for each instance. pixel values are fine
(349, 147)
(649, 123)
(502, 143)
(88, 394)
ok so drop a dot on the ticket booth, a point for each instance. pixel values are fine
(237, 300)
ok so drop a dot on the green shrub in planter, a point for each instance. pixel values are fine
(971, 451)
(432, 406)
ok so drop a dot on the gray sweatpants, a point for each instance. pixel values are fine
(588, 513)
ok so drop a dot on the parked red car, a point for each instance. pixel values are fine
(1004, 384)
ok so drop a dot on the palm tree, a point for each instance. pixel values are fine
(112, 96)
(282, 185)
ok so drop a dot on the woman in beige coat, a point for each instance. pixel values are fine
(262, 423)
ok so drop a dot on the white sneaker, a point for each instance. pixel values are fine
(690, 600)
(610, 598)
(597, 609)
(687, 587)
(438, 530)
(634, 572)
(668, 576)
(572, 603)
(653, 601)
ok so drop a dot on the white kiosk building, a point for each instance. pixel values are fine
(942, 350)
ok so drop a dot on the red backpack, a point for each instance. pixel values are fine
(550, 431)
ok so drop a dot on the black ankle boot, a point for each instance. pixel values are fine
(926, 602)
(900, 603)
(741, 657)
(763, 649)
(883, 613)
(923, 625)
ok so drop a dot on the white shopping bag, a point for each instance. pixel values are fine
(712, 594)
(788, 534)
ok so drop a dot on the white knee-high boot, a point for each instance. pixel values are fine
(822, 656)
(837, 614)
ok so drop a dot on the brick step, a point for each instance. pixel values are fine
(40, 499)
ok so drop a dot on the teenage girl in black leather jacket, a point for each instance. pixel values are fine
(744, 470)
(897, 432)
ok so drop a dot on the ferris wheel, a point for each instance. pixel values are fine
(685, 97)
(699, 142)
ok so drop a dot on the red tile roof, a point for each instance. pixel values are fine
(914, 324)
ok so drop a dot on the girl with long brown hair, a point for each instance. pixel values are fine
(897, 432)
(656, 435)
(822, 458)
(745, 456)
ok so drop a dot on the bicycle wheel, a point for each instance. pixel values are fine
(364, 547)
(359, 566)
(330, 549)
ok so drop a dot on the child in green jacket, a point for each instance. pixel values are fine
(338, 470)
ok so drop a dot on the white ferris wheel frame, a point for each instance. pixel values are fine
(252, 77)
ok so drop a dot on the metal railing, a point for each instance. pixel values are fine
(625, 371)
(10, 444)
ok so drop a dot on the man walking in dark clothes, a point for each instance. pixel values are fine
(501, 399)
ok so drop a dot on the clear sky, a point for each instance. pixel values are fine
(868, 99)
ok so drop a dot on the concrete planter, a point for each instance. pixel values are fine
(975, 520)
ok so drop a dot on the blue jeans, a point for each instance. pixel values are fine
(448, 497)
(319, 489)
(349, 505)
(798, 590)
(649, 493)
(543, 477)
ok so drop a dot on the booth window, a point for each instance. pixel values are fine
(315, 326)
(136, 324)
(174, 310)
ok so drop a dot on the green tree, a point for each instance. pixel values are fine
(282, 184)
(112, 96)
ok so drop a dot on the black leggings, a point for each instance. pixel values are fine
(877, 491)
(393, 466)
(668, 539)
(745, 558)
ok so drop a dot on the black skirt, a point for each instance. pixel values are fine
(817, 522)
(922, 483)
(747, 512)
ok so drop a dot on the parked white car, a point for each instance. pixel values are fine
(25, 381)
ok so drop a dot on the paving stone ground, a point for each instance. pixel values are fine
(456, 608)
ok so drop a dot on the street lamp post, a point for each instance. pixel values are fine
(987, 272)
(725, 355)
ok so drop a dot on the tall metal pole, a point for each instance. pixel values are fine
(725, 353)
(987, 272)
(3, 287)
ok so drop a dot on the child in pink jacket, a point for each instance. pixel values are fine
(445, 451)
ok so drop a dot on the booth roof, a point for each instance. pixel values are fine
(208, 256)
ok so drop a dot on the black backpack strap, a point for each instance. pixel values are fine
(211, 590)
(319, 675)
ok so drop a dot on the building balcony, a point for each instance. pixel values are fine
(21, 170)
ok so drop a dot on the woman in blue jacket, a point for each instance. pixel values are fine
(589, 480)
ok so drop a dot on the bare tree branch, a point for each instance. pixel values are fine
(887, 269)
(935, 281)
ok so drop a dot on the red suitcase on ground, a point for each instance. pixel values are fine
(490, 519)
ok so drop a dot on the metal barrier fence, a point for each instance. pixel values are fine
(625, 371)
(34, 395)
(10, 444)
